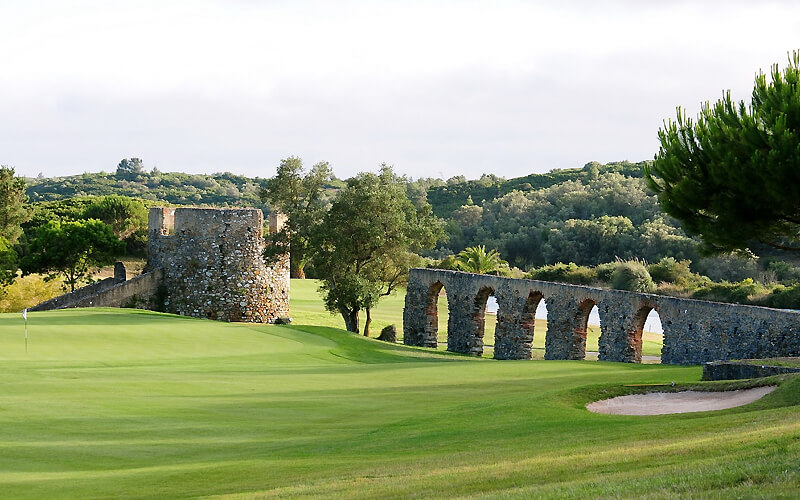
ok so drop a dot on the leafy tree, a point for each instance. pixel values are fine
(733, 176)
(124, 215)
(365, 243)
(477, 260)
(71, 249)
(299, 196)
(13, 205)
(13, 212)
(8, 264)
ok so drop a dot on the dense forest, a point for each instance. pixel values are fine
(574, 225)
(588, 216)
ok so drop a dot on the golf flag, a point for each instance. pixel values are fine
(25, 317)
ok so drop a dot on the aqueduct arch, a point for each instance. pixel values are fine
(694, 331)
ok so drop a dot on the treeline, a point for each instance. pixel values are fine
(778, 285)
(447, 196)
(597, 218)
(587, 216)
(132, 180)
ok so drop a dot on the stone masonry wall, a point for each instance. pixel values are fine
(213, 265)
(138, 292)
(694, 331)
(79, 296)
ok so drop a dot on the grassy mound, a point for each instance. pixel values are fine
(137, 404)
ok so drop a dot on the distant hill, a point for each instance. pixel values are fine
(227, 189)
(222, 189)
(447, 198)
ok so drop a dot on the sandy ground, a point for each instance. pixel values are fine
(660, 403)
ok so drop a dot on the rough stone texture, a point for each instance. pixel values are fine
(213, 265)
(694, 331)
(81, 294)
(734, 370)
(139, 292)
(388, 334)
(202, 262)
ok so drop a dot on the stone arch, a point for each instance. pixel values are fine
(479, 318)
(528, 318)
(578, 347)
(431, 337)
(634, 335)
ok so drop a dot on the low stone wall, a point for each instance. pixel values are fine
(138, 292)
(694, 331)
(734, 370)
(80, 295)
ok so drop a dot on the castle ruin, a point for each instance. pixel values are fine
(202, 262)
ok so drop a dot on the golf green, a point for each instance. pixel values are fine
(126, 403)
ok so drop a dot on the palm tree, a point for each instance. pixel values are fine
(477, 260)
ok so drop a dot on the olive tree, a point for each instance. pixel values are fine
(367, 242)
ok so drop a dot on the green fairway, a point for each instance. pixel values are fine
(121, 403)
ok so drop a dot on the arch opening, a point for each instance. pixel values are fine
(437, 314)
(532, 311)
(479, 318)
(586, 309)
(646, 339)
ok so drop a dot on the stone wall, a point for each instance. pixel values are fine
(140, 292)
(694, 331)
(213, 265)
(734, 370)
(80, 295)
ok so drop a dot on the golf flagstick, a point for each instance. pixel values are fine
(25, 317)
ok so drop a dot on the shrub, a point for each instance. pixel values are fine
(784, 297)
(632, 275)
(564, 273)
(604, 271)
(783, 271)
(739, 293)
(669, 270)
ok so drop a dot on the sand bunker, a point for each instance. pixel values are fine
(661, 403)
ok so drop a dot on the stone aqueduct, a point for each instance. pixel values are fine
(694, 331)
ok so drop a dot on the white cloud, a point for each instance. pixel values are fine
(438, 88)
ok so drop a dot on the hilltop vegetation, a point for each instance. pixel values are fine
(585, 216)
(530, 220)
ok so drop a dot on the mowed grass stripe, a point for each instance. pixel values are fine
(271, 411)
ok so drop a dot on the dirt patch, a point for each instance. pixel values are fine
(661, 403)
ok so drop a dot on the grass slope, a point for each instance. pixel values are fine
(120, 403)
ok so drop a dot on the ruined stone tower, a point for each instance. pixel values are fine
(212, 264)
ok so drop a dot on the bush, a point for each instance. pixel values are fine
(564, 273)
(669, 270)
(632, 275)
(738, 293)
(604, 271)
(783, 271)
(784, 297)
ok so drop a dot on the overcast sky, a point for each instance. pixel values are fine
(436, 88)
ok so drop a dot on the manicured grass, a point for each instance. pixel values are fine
(120, 403)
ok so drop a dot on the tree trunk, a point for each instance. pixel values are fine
(297, 272)
(350, 319)
(367, 322)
